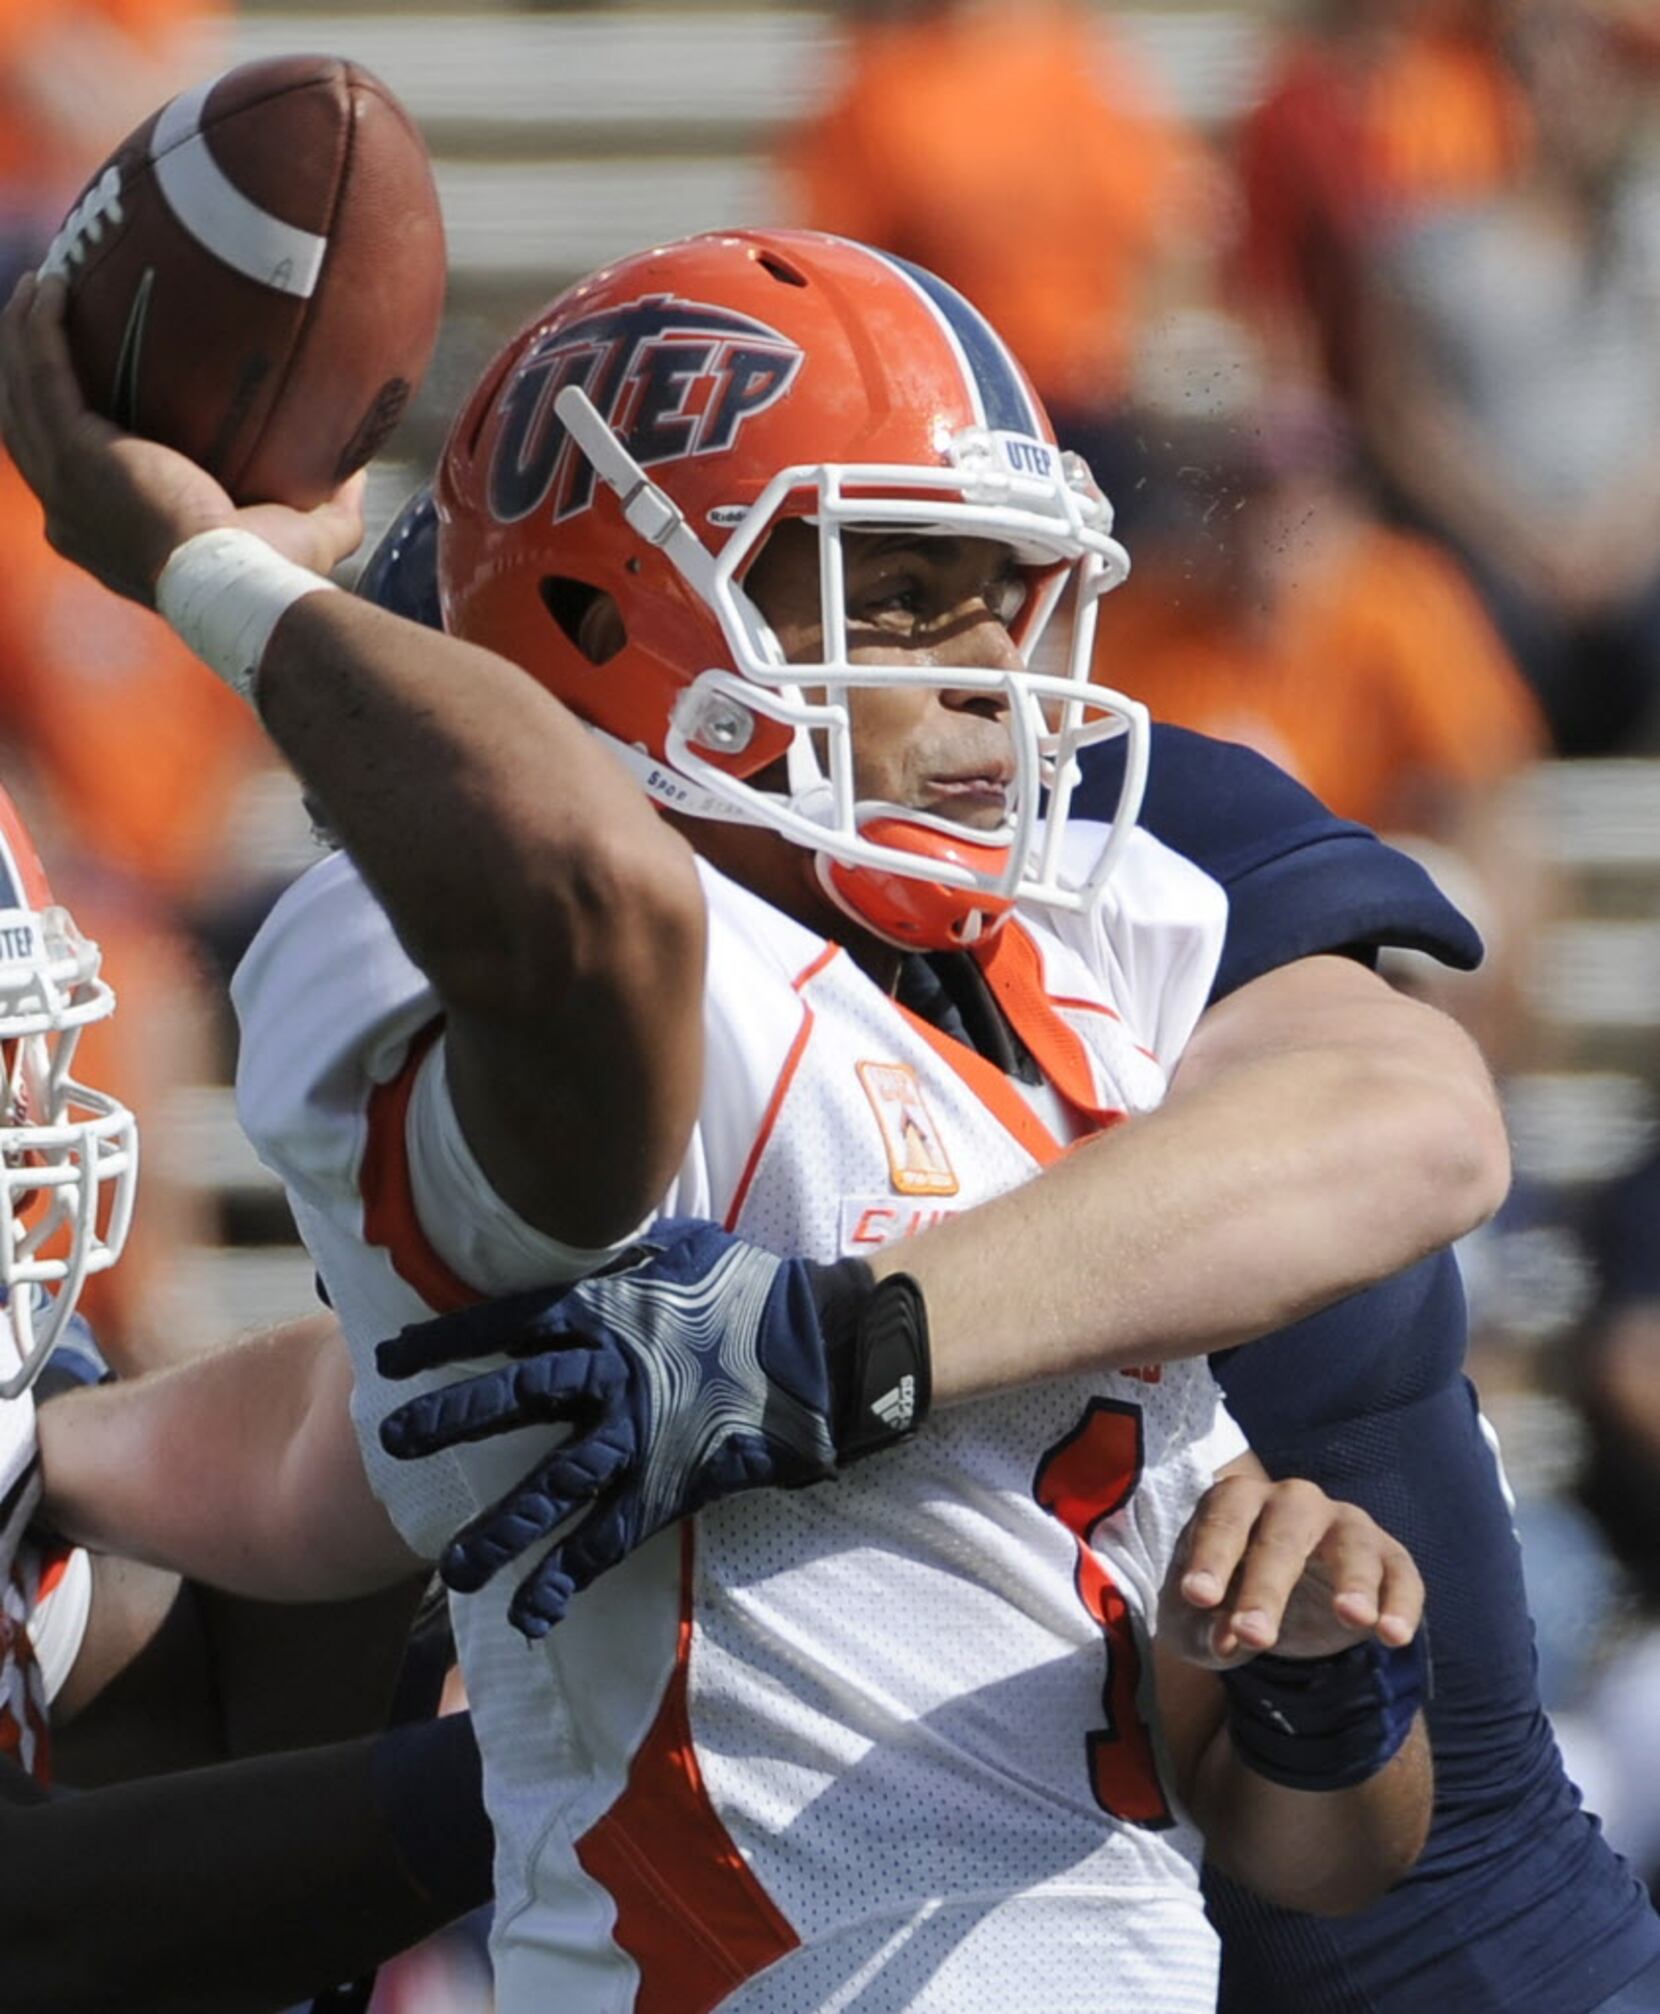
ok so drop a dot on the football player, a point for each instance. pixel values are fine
(103, 1657)
(1367, 1398)
(1517, 1902)
(782, 522)
(67, 1174)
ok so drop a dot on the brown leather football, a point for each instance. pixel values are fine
(256, 276)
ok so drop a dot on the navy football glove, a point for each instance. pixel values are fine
(694, 1367)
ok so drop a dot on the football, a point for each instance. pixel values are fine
(256, 276)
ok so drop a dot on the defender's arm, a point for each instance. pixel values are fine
(1307, 1770)
(264, 1881)
(1321, 1132)
(1326, 1852)
(275, 1504)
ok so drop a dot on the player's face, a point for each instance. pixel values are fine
(930, 603)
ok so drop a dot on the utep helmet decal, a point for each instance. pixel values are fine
(641, 439)
(671, 377)
(68, 1153)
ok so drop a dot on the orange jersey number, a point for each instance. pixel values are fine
(1082, 1479)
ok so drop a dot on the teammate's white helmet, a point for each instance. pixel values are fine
(68, 1154)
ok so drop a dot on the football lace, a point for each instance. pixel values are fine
(85, 223)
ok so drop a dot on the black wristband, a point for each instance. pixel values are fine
(876, 1349)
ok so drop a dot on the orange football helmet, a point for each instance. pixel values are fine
(68, 1154)
(641, 438)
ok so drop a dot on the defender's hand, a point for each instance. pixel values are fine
(1281, 1566)
(116, 505)
(696, 1367)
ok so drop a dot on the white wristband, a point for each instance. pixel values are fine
(223, 592)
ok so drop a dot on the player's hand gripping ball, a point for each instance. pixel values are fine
(256, 276)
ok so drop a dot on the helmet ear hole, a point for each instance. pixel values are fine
(588, 618)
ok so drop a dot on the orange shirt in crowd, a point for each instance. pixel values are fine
(126, 752)
(77, 75)
(129, 756)
(1350, 131)
(136, 750)
(1012, 151)
(1376, 679)
(1443, 121)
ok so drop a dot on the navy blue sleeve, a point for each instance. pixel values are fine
(1299, 880)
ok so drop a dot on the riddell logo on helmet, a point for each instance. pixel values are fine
(674, 378)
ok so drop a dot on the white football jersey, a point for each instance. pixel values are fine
(881, 1744)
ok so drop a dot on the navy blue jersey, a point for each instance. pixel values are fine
(1518, 1903)
(1299, 879)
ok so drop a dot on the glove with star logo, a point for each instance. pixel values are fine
(693, 1367)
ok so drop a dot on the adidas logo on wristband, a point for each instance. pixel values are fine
(896, 1409)
(886, 1368)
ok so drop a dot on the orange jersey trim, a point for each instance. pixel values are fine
(780, 1090)
(1013, 966)
(1077, 1006)
(993, 1090)
(54, 1564)
(689, 1912)
(389, 1218)
(25, 1724)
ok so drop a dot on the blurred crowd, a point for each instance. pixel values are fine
(1372, 374)
(127, 764)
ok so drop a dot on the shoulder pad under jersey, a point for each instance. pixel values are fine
(1300, 880)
